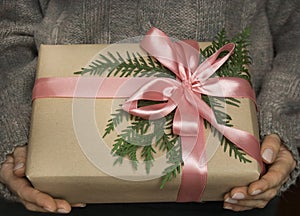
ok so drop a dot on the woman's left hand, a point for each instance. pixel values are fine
(259, 193)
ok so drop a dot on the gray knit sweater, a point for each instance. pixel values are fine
(275, 49)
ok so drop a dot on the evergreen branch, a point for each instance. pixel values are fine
(170, 173)
(232, 101)
(116, 119)
(147, 154)
(174, 157)
(233, 149)
(122, 148)
(235, 66)
(134, 65)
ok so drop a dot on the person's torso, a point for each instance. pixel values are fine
(111, 21)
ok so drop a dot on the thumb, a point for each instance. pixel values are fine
(20, 160)
(270, 148)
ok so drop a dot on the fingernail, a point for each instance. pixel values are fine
(238, 196)
(18, 166)
(232, 201)
(48, 209)
(256, 192)
(63, 211)
(80, 205)
(268, 155)
(227, 207)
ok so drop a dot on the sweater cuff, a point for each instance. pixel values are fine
(14, 134)
(4, 191)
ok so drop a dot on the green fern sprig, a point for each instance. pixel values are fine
(122, 148)
(137, 135)
(236, 66)
(102, 64)
(233, 149)
(224, 119)
(174, 156)
(116, 119)
(148, 155)
(134, 65)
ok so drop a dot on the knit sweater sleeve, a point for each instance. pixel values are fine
(17, 71)
(279, 100)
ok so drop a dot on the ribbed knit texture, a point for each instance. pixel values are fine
(275, 50)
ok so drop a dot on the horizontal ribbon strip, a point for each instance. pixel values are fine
(87, 87)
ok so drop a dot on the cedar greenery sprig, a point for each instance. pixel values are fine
(136, 136)
(145, 135)
(236, 65)
(134, 65)
(116, 119)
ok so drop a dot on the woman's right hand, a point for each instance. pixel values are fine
(12, 174)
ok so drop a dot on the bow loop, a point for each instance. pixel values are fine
(213, 63)
(161, 90)
(181, 57)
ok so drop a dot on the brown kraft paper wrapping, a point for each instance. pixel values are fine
(57, 165)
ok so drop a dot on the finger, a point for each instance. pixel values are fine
(277, 173)
(242, 193)
(63, 206)
(45, 201)
(22, 188)
(242, 205)
(30, 196)
(236, 208)
(9, 159)
(42, 200)
(20, 160)
(248, 203)
(270, 148)
(236, 196)
(32, 207)
(238, 193)
(286, 156)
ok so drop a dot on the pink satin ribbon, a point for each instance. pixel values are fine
(182, 94)
(87, 87)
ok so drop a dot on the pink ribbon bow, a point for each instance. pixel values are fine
(184, 95)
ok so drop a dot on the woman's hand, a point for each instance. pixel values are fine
(259, 193)
(12, 174)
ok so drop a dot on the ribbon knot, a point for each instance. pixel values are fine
(187, 84)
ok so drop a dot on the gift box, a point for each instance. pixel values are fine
(69, 158)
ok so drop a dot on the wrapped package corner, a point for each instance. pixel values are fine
(57, 165)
